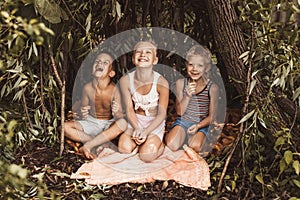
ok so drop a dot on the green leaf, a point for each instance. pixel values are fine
(275, 82)
(260, 179)
(139, 189)
(244, 54)
(88, 23)
(296, 94)
(270, 187)
(246, 117)
(118, 9)
(282, 166)
(233, 185)
(288, 157)
(5, 14)
(252, 84)
(279, 141)
(262, 122)
(34, 49)
(297, 182)
(296, 166)
(51, 11)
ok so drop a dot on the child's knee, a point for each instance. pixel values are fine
(148, 157)
(123, 148)
(122, 124)
(124, 145)
(173, 146)
(195, 145)
(148, 153)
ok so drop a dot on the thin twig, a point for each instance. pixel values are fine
(63, 91)
(241, 129)
(42, 87)
(53, 65)
(62, 134)
(63, 97)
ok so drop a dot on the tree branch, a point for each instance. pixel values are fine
(53, 65)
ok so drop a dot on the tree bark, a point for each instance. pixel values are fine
(230, 44)
(229, 38)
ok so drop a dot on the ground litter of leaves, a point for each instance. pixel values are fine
(39, 158)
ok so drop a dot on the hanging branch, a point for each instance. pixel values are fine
(62, 86)
(242, 130)
(62, 134)
(42, 87)
(54, 67)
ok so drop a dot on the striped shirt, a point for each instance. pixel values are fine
(198, 107)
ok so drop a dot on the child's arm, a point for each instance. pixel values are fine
(182, 100)
(127, 101)
(116, 104)
(85, 102)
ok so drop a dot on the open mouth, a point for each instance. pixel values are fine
(194, 74)
(143, 60)
(99, 69)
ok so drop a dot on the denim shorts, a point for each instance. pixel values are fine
(186, 124)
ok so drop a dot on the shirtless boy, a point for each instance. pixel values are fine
(101, 110)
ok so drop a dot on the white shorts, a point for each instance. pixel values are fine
(145, 121)
(93, 126)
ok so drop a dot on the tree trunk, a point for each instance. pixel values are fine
(230, 44)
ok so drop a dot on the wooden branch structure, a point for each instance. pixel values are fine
(63, 93)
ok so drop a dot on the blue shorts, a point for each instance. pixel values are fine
(186, 124)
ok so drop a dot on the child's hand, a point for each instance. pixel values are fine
(114, 107)
(85, 111)
(139, 136)
(190, 89)
(192, 129)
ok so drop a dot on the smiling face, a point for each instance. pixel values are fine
(196, 66)
(144, 55)
(102, 65)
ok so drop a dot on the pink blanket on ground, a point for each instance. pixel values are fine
(114, 168)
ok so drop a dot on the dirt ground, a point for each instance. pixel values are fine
(39, 158)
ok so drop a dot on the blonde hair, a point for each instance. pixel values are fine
(199, 50)
(147, 41)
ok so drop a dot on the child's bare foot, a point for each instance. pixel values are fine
(87, 152)
(73, 144)
(99, 149)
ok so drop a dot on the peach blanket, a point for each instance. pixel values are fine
(184, 166)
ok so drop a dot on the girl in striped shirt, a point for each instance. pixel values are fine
(196, 102)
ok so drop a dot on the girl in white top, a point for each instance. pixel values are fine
(145, 94)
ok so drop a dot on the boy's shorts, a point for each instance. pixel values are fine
(186, 124)
(145, 121)
(93, 126)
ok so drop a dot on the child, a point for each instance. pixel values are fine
(145, 94)
(101, 109)
(196, 102)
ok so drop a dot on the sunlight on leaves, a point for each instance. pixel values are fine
(288, 157)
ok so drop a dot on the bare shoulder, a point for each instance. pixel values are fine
(180, 82)
(163, 82)
(124, 80)
(88, 86)
(214, 88)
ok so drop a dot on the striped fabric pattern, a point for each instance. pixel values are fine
(198, 107)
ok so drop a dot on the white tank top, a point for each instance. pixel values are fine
(146, 101)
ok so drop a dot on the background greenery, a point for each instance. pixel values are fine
(43, 43)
